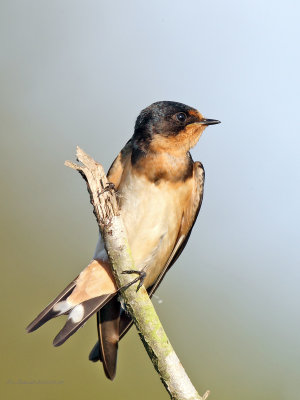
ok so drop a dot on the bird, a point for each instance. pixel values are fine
(159, 192)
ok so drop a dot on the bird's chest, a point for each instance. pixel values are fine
(152, 216)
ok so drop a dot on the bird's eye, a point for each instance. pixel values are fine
(181, 117)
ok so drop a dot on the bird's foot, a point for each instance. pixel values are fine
(108, 188)
(141, 277)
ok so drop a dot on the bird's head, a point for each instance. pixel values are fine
(170, 126)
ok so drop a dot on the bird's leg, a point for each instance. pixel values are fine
(109, 187)
(141, 277)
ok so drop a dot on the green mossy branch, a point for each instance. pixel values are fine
(138, 304)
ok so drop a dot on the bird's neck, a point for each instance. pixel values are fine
(158, 166)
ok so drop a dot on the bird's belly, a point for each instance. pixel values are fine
(152, 217)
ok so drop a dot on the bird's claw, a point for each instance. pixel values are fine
(109, 187)
(141, 277)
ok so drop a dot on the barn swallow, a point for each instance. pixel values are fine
(159, 191)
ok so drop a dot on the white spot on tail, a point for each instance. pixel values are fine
(77, 313)
(62, 307)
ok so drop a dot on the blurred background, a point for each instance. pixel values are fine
(78, 73)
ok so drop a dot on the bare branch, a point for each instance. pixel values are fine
(138, 304)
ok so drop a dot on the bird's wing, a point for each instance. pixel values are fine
(116, 169)
(190, 215)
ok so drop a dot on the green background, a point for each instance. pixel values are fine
(75, 72)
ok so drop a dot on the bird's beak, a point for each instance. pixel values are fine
(207, 121)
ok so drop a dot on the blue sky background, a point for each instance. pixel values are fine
(75, 72)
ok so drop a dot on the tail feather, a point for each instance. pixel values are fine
(84, 296)
(79, 315)
(95, 354)
(52, 311)
(108, 319)
(125, 324)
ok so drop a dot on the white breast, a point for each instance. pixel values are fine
(152, 215)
